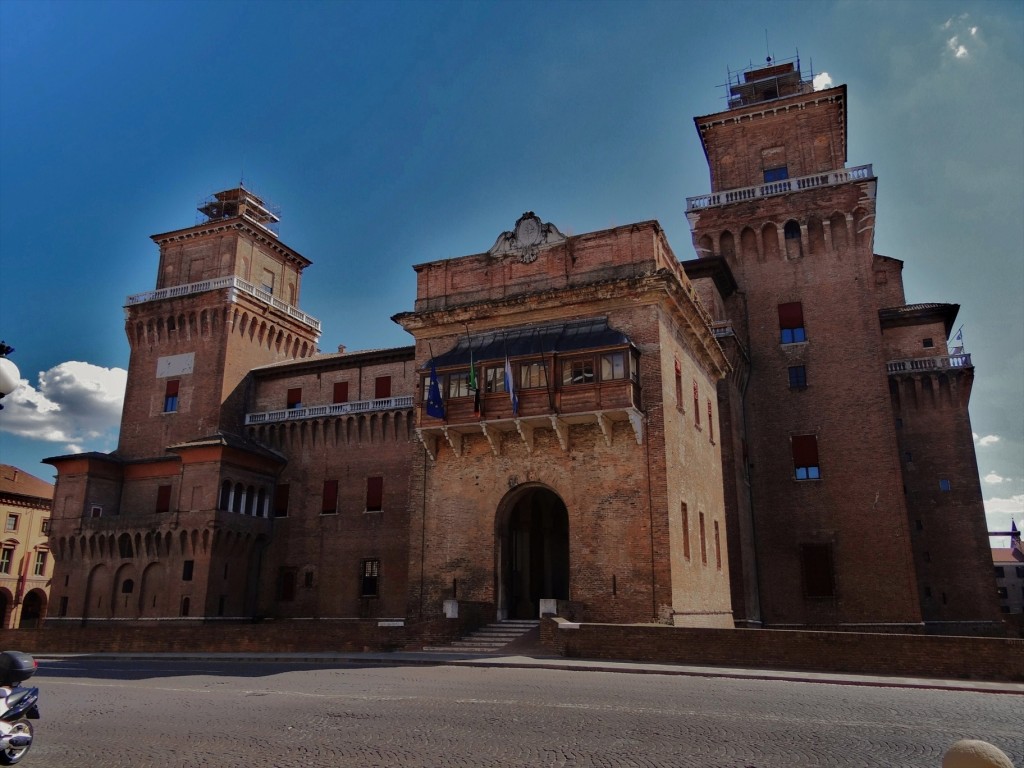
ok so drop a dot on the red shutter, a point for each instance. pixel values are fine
(163, 496)
(330, 502)
(341, 391)
(374, 494)
(295, 397)
(791, 315)
(172, 388)
(805, 451)
(382, 387)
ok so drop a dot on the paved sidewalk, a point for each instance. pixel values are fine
(541, 661)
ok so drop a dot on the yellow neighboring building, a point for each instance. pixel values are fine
(26, 567)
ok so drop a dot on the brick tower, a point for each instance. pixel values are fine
(817, 494)
(174, 521)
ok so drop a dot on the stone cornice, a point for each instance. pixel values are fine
(240, 224)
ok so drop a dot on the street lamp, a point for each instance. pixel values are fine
(10, 376)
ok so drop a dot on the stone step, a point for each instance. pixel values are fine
(489, 638)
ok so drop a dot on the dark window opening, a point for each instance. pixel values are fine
(329, 505)
(286, 584)
(341, 391)
(163, 498)
(382, 387)
(187, 570)
(927, 343)
(776, 174)
(798, 377)
(281, 500)
(370, 581)
(791, 323)
(374, 494)
(171, 396)
(816, 567)
(805, 457)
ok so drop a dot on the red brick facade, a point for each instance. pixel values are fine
(714, 442)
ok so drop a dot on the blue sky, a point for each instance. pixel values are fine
(396, 133)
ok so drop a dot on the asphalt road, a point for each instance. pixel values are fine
(102, 712)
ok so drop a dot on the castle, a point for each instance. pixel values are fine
(765, 435)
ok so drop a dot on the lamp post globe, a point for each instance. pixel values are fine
(10, 377)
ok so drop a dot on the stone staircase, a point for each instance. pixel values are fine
(488, 639)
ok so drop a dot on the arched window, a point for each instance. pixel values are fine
(236, 503)
(225, 496)
(794, 246)
(127, 587)
(124, 545)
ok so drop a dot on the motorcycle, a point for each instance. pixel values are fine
(18, 704)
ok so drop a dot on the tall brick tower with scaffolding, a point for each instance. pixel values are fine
(184, 500)
(851, 483)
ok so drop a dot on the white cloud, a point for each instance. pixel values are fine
(999, 513)
(962, 31)
(959, 50)
(75, 403)
(993, 479)
(985, 441)
(822, 81)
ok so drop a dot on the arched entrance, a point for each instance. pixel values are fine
(31, 610)
(533, 551)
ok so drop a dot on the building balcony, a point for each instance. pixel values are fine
(921, 364)
(602, 404)
(781, 187)
(234, 283)
(334, 409)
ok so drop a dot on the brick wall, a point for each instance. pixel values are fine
(848, 652)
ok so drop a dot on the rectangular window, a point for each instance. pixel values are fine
(286, 584)
(791, 323)
(703, 542)
(12, 522)
(578, 371)
(679, 386)
(805, 457)
(798, 377)
(718, 548)
(613, 366)
(1000, 573)
(340, 392)
(281, 500)
(1020, 571)
(494, 380)
(816, 568)
(711, 423)
(776, 174)
(187, 570)
(374, 494)
(370, 581)
(39, 568)
(696, 404)
(308, 580)
(163, 498)
(686, 530)
(382, 387)
(46, 525)
(927, 343)
(171, 396)
(458, 384)
(329, 505)
(5, 559)
(944, 485)
(63, 610)
(294, 400)
(96, 511)
(532, 376)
